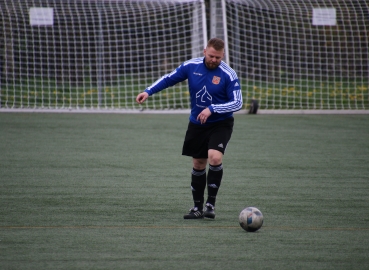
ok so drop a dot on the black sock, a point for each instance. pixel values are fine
(215, 175)
(198, 184)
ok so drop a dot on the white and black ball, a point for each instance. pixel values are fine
(251, 219)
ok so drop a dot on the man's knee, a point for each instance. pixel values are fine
(199, 163)
(215, 157)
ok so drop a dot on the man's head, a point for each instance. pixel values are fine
(214, 53)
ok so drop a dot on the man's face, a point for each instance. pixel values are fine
(213, 57)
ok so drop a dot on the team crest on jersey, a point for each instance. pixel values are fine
(216, 80)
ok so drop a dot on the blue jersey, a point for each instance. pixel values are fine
(217, 89)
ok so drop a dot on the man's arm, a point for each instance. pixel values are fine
(234, 104)
(176, 76)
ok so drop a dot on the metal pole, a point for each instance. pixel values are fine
(224, 13)
(100, 58)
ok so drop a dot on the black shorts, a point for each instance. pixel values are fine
(200, 138)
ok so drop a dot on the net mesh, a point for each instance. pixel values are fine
(99, 54)
(95, 54)
(298, 54)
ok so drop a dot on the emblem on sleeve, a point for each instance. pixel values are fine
(216, 80)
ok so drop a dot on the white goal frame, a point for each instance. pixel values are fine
(95, 56)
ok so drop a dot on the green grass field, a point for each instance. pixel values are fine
(108, 191)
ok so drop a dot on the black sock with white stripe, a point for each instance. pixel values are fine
(198, 184)
(215, 175)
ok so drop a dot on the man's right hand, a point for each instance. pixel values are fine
(141, 97)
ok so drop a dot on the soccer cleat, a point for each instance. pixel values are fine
(209, 211)
(194, 213)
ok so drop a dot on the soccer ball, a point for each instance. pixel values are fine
(251, 219)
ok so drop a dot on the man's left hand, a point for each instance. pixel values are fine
(204, 115)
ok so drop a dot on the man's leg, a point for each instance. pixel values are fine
(214, 180)
(198, 184)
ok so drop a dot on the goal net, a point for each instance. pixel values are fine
(99, 54)
(301, 54)
(95, 54)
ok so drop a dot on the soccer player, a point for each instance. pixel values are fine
(215, 94)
